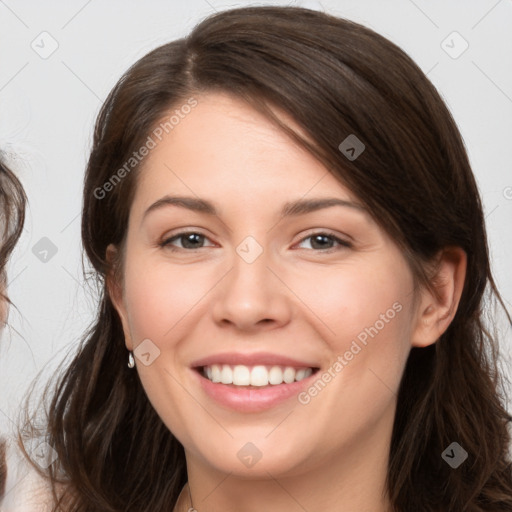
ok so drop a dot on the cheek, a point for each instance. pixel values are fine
(366, 311)
(159, 296)
(161, 300)
(354, 301)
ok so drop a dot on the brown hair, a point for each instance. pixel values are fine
(334, 78)
(12, 215)
(3, 468)
(12, 218)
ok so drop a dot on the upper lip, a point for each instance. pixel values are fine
(258, 358)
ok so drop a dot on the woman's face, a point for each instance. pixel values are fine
(273, 285)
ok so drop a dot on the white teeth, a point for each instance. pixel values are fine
(259, 376)
(216, 373)
(289, 375)
(275, 375)
(300, 374)
(241, 375)
(226, 376)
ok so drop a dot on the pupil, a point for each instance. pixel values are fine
(190, 239)
(320, 238)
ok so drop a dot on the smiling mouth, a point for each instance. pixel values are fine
(257, 376)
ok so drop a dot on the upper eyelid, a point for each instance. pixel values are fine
(166, 237)
(175, 236)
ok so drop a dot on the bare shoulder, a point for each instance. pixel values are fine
(25, 490)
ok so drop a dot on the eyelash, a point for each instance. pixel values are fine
(342, 243)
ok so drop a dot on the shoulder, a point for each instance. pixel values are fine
(24, 490)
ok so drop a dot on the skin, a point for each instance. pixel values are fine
(298, 298)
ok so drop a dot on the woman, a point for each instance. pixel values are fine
(12, 210)
(323, 342)
(12, 216)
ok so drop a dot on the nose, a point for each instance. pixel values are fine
(252, 296)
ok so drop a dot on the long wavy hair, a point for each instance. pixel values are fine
(12, 218)
(334, 78)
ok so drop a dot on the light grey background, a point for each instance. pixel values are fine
(49, 102)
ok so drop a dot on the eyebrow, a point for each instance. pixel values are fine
(293, 208)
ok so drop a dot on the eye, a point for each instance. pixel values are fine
(323, 241)
(190, 240)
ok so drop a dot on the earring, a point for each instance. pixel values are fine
(131, 361)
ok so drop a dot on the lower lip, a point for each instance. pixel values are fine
(252, 399)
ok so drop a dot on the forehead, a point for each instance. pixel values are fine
(223, 146)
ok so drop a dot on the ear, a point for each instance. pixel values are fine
(437, 308)
(115, 292)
